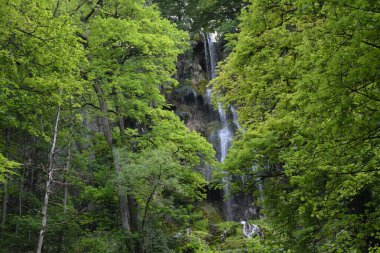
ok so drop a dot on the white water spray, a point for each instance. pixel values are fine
(225, 134)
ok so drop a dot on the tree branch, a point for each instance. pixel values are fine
(371, 44)
(98, 4)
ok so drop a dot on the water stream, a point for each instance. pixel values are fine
(225, 134)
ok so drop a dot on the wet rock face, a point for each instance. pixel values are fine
(190, 102)
(192, 67)
(188, 99)
(193, 110)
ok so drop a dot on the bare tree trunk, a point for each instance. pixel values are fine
(49, 182)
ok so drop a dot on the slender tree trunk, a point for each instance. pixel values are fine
(65, 193)
(147, 203)
(49, 182)
(4, 208)
(123, 205)
(21, 186)
(20, 196)
(5, 195)
(66, 190)
(65, 172)
(31, 180)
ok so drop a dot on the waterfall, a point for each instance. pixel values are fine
(225, 137)
(236, 206)
(211, 60)
(210, 53)
(225, 134)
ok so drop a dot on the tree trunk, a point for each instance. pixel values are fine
(65, 193)
(134, 246)
(132, 204)
(5, 195)
(49, 182)
(4, 208)
(20, 195)
(123, 204)
(20, 198)
(133, 213)
(106, 128)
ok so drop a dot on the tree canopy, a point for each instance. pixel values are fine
(195, 15)
(85, 82)
(304, 76)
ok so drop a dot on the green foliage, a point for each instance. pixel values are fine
(162, 175)
(189, 146)
(40, 63)
(196, 242)
(96, 243)
(127, 57)
(155, 241)
(39, 59)
(228, 237)
(51, 53)
(6, 166)
(27, 225)
(195, 15)
(304, 77)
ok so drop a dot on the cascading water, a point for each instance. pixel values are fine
(225, 138)
(218, 124)
(210, 54)
(225, 134)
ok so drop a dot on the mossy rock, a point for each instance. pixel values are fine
(202, 86)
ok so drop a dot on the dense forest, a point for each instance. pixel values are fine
(120, 134)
